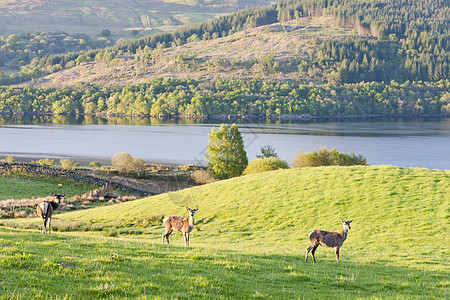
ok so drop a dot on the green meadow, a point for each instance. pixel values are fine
(249, 241)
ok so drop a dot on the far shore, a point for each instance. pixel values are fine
(229, 116)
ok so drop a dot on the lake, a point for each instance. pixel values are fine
(410, 142)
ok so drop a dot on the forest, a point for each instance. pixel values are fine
(193, 98)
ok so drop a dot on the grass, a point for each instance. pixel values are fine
(33, 186)
(249, 241)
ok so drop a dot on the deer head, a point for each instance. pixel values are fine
(58, 197)
(346, 224)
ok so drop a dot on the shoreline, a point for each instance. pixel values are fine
(303, 117)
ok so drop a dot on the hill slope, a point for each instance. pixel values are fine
(249, 240)
(399, 214)
(245, 54)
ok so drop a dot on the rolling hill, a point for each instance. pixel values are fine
(249, 240)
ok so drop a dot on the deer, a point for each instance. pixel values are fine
(179, 224)
(45, 210)
(328, 239)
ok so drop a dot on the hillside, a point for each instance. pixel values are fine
(120, 17)
(242, 54)
(249, 240)
(383, 201)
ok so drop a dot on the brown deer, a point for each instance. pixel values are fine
(180, 224)
(45, 210)
(328, 239)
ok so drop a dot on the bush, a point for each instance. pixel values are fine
(10, 159)
(125, 163)
(67, 164)
(265, 164)
(203, 177)
(325, 157)
(95, 164)
(46, 161)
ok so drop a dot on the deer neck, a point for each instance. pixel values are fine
(191, 221)
(344, 233)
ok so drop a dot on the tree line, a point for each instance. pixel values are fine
(193, 98)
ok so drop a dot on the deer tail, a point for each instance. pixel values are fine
(44, 208)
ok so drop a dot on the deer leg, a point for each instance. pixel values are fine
(337, 254)
(49, 225)
(186, 238)
(307, 251)
(314, 251)
(44, 227)
(166, 235)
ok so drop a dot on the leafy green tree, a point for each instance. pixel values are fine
(226, 156)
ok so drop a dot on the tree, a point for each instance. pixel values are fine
(267, 151)
(226, 156)
(105, 32)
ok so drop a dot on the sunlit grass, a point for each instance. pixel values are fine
(249, 240)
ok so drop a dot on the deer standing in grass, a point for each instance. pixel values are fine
(328, 239)
(45, 210)
(180, 224)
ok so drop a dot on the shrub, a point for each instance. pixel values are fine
(125, 163)
(325, 157)
(46, 161)
(10, 159)
(265, 164)
(95, 164)
(67, 164)
(203, 177)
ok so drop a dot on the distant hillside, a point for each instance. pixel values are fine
(245, 54)
(121, 17)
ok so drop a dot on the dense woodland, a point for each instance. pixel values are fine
(190, 98)
(399, 45)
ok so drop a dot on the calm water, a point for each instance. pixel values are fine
(421, 142)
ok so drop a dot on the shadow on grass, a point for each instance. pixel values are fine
(128, 268)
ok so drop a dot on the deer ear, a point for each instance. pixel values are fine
(341, 221)
(195, 209)
(350, 221)
(53, 194)
(187, 208)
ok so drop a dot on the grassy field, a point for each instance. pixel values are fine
(34, 186)
(249, 241)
